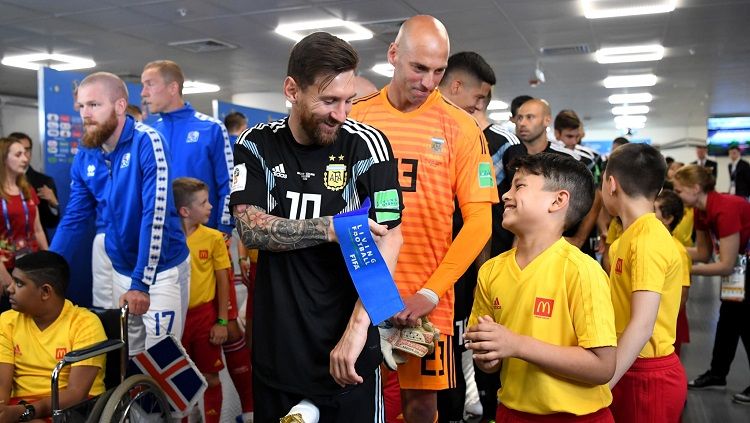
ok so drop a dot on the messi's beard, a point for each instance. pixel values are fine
(97, 134)
(311, 126)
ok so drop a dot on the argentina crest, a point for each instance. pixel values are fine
(335, 176)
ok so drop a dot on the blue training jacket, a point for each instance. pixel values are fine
(143, 230)
(200, 148)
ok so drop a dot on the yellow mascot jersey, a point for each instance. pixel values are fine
(562, 297)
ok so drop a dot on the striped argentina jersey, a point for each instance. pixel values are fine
(304, 297)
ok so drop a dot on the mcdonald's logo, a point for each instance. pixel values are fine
(60, 353)
(618, 266)
(543, 307)
(203, 254)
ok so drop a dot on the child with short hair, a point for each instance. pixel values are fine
(649, 382)
(543, 308)
(206, 321)
(35, 335)
(670, 210)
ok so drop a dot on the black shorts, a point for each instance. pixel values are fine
(363, 403)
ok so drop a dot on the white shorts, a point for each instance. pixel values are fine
(169, 296)
(102, 276)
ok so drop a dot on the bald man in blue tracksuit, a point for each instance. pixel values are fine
(143, 234)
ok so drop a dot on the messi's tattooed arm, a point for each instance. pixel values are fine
(258, 229)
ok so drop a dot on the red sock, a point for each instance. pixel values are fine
(238, 365)
(212, 402)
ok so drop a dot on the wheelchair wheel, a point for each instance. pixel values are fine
(101, 402)
(137, 399)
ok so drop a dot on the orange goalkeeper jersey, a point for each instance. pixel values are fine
(442, 155)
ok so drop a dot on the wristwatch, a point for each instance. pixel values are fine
(28, 414)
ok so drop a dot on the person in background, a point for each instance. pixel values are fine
(21, 230)
(701, 154)
(670, 211)
(726, 218)
(235, 122)
(739, 172)
(135, 112)
(49, 206)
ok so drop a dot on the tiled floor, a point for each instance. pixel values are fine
(711, 406)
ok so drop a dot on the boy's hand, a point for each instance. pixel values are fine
(491, 342)
(218, 334)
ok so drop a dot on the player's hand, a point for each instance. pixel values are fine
(490, 341)
(46, 193)
(11, 413)
(415, 307)
(138, 302)
(344, 355)
(218, 334)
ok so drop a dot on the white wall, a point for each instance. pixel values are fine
(664, 135)
(18, 114)
(273, 101)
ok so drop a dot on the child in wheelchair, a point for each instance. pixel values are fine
(39, 330)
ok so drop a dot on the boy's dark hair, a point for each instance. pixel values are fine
(46, 267)
(471, 63)
(567, 119)
(639, 169)
(234, 121)
(670, 205)
(619, 141)
(517, 102)
(320, 54)
(562, 172)
(184, 189)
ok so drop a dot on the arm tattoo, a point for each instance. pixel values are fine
(266, 232)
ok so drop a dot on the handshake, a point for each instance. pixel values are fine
(417, 341)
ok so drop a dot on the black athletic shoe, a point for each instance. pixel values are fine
(743, 397)
(708, 381)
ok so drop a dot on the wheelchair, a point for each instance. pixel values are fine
(136, 398)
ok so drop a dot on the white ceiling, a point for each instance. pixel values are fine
(706, 68)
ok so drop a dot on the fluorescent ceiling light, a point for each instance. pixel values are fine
(347, 31)
(593, 11)
(630, 98)
(499, 116)
(630, 119)
(197, 87)
(627, 54)
(37, 60)
(497, 105)
(630, 110)
(385, 69)
(626, 81)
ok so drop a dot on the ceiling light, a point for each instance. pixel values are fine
(630, 110)
(347, 31)
(385, 69)
(630, 98)
(628, 54)
(197, 87)
(626, 81)
(592, 11)
(630, 119)
(37, 60)
(497, 105)
(499, 116)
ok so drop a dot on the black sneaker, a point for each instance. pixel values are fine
(708, 381)
(743, 397)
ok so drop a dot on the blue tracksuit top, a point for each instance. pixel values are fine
(143, 230)
(200, 148)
